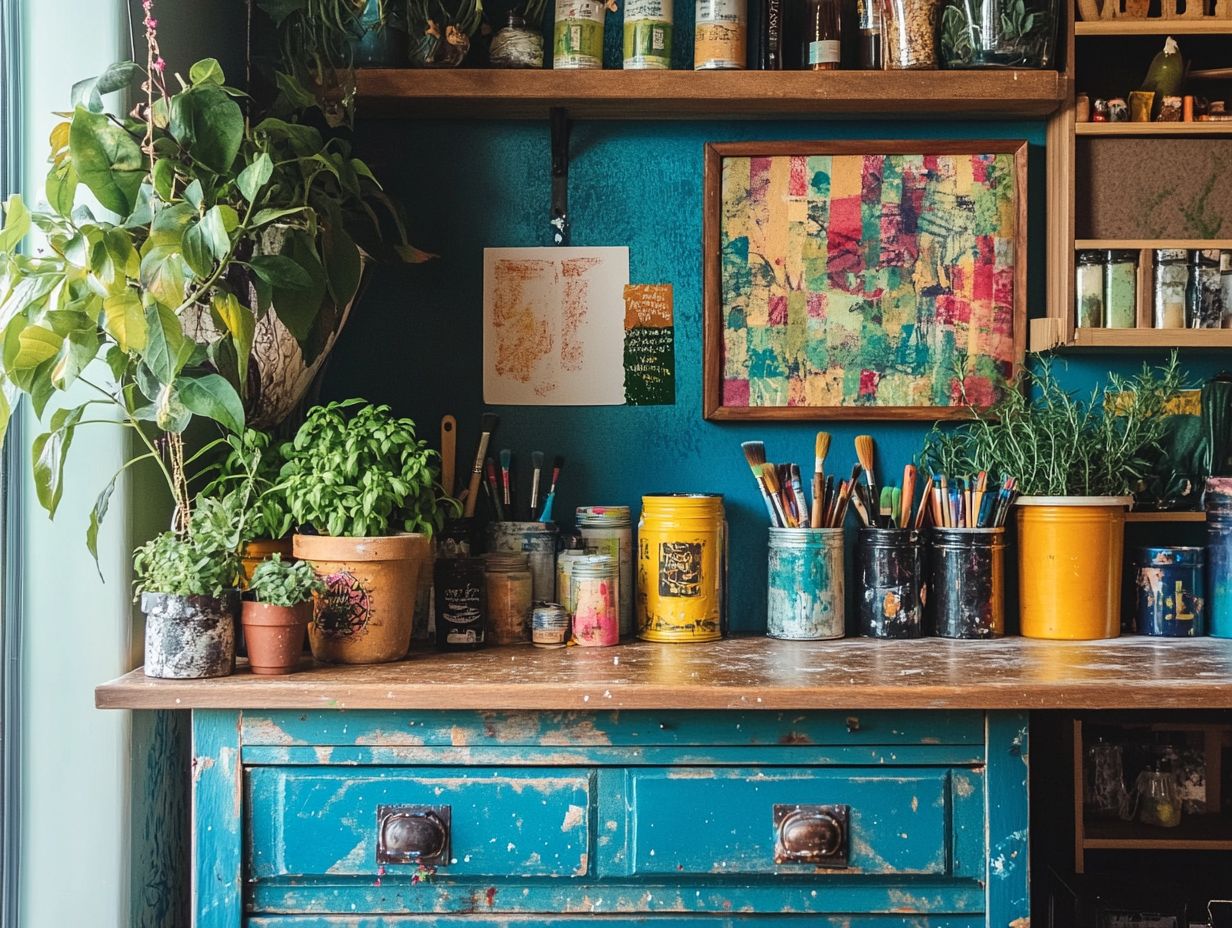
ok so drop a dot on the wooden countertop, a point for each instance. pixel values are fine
(739, 673)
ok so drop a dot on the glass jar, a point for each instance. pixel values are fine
(594, 601)
(1089, 289)
(1106, 793)
(1168, 293)
(609, 530)
(574, 550)
(1203, 303)
(1225, 286)
(998, 33)
(509, 586)
(909, 33)
(516, 45)
(1120, 289)
(1159, 800)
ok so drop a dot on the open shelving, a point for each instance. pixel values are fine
(1154, 26)
(1123, 129)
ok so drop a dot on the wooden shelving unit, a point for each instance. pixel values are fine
(1147, 339)
(1149, 516)
(1146, 244)
(1154, 26)
(485, 94)
(1196, 833)
(1152, 129)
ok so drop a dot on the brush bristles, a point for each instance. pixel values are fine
(821, 449)
(771, 477)
(506, 458)
(866, 451)
(490, 421)
(536, 460)
(754, 453)
(558, 462)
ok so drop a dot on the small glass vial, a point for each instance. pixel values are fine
(1120, 289)
(595, 601)
(509, 597)
(1225, 286)
(1168, 292)
(1089, 289)
(1203, 305)
(574, 549)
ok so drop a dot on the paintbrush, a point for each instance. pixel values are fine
(449, 447)
(866, 451)
(896, 506)
(536, 465)
(755, 454)
(797, 490)
(490, 421)
(783, 473)
(904, 520)
(506, 464)
(494, 489)
(827, 502)
(821, 447)
(925, 501)
(886, 508)
(844, 497)
(558, 462)
(771, 480)
(945, 503)
(861, 511)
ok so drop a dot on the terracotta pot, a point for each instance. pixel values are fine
(275, 636)
(366, 616)
(259, 550)
(189, 637)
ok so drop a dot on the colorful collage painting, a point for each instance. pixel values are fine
(869, 281)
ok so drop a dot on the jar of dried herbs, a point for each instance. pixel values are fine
(1120, 289)
(1168, 293)
(1203, 303)
(1089, 290)
(909, 29)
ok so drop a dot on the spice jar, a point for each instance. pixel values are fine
(516, 45)
(1089, 289)
(1168, 292)
(909, 33)
(595, 605)
(1203, 303)
(1120, 289)
(509, 597)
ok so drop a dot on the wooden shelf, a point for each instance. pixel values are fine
(1137, 244)
(1123, 129)
(483, 94)
(1155, 26)
(1150, 516)
(1195, 833)
(1147, 339)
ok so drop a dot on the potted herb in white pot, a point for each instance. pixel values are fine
(276, 612)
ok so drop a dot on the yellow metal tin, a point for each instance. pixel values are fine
(682, 567)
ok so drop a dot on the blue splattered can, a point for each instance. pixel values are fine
(1171, 592)
(549, 625)
(890, 583)
(806, 586)
(1219, 556)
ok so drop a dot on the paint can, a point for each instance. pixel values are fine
(461, 603)
(1170, 594)
(806, 598)
(609, 530)
(564, 566)
(509, 597)
(891, 583)
(549, 625)
(537, 540)
(648, 35)
(719, 35)
(578, 36)
(681, 567)
(967, 582)
(595, 601)
(1219, 556)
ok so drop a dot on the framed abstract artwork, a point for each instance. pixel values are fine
(862, 279)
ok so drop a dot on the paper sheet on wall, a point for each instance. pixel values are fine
(553, 326)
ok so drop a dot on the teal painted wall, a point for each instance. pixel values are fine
(415, 342)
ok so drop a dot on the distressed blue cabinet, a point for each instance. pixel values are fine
(701, 819)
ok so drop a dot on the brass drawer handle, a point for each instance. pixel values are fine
(412, 834)
(811, 834)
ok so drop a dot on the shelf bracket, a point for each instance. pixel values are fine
(560, 175)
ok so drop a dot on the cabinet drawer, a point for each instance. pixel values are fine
(317, 821)
(723, 820)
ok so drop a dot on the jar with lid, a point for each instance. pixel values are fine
(1225, 286)
(594, 601)
(1120, 289)
(509, 586)
(1089, 289)
(461, 603)
(1203, 304)
(719, 35)
(909, 33)
(516, 45)
(1168, 293)
(609, 530)
(574, 549)
(1159, 800)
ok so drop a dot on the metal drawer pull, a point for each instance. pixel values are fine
(811, 834)
(412, 834)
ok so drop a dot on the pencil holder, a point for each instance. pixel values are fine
(805, 598)
(891, 582)
(967, 589)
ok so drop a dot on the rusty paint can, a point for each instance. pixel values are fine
(681, 567)
(805, 590)
(189, 637)
(538, 541)
(1170, 594)
(1219, 556)
(891, 583)
(967, 582)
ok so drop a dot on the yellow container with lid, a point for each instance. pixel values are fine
(681, 567)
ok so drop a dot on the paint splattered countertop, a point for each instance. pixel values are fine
(738, 673)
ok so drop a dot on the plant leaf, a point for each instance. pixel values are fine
(167, 349)
(206, 242)
(97, 513)
(207, 71)
(254, 177)
(212, 396)
(16, 224)
(125, 320)
(209, 124)
(60, 188)
(49, 452)
(89, 93)
(241, 324)
(107, 159)
(281, 272)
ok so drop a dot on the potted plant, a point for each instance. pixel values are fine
(277, 613)
(364, 491)
(998, 33)
(1075, 462)
(441, 31)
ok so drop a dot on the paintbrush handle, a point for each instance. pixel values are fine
(534, 492)
(819, 499)
(771, 509)
(449, 449)
(472, 493)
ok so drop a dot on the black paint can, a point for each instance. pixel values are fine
(460, 586)
(968, 582)
(891, 583)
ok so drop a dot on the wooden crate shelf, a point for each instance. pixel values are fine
(1155, 26)
(1125, 129)
(1144, 339)
(484, 94)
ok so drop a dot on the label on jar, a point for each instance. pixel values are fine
(648, 35)
(823, 52)
(719, 38)
(578, 37)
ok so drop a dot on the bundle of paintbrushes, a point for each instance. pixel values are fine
(782, 488)
(966, 502)
(501, 486)
(894, 506)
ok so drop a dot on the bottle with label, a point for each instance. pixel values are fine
(578, 37)
(1171, 278)
(770, 38)
(648, 35)
(720, 35)
(822, 26)
(461, 603)
(868, 12)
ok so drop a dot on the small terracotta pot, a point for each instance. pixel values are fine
(367, 613)
(275, 636)
(260, 549)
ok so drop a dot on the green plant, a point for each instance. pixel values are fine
(316, 37)
(253, 456)
(355, 470)
(202, 560)
(1056, 444)
(279, 583)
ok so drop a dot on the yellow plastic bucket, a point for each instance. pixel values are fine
(1069, 565)
(681, 567)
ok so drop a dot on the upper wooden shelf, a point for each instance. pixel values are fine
(1118, 129)
(1149, 515)
(1148, 339)
(1138, 244)
(1155, 26)
(487, 94)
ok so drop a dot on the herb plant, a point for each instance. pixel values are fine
(204, 560)
(354, 470)
(279, 583)
(1057, 444)
(253, 457)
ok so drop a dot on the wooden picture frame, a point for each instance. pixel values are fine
(721, 398)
